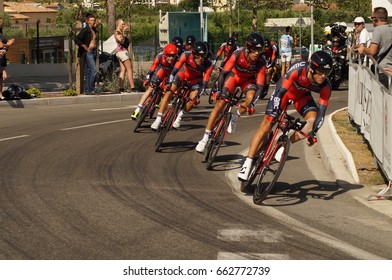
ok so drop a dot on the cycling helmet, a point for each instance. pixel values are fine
(170, 49)
(200, 48)
(177, 41)
(234, 34)
(190, 40)
(254, 41)
(267, 42)
(321, 61)
(231, 42)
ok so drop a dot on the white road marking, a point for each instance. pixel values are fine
(94, 124)
(14, 137)
(237, 235)
(112, 109)
(294, 224)
(251, 256)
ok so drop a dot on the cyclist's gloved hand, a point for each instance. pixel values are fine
(312, 138)
(215, 95)
(146, 82)
(202, 89)
(251, 109)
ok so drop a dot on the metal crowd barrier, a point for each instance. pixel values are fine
(370, 108)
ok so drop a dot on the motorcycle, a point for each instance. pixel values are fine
(108, 66)
(338, 73)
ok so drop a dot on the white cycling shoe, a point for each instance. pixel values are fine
(201, 146)
(155, 125)
(177, 122)
(243, 175)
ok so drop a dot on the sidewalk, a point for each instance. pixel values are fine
(44, 84)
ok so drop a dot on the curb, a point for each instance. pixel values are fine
(343, 149)
(340, 163)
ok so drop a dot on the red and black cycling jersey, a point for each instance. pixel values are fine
(224, 48)
(160, 67)
(271, 55)
(187, 64)
(296, 86)
(240, 66)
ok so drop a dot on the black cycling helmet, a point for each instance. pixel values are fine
(200, 48)
(177, 41)
(267, 42)
(190, 40)
(234, 34)
(321, 62)
(231, 41)
(254, 41)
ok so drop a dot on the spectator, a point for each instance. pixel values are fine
(286, 43)
(87, 53)
(380, 45)
(4, 44)
(363, 36)
(123, 55)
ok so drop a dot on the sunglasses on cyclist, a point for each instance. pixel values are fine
(324, 72)
(199, 55)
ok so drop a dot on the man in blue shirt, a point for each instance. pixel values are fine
(286, 43)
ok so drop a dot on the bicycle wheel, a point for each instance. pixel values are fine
(157, 100)
(256, 165)
(144, 112)
(167, 124)
(217, 140)
(271, 171)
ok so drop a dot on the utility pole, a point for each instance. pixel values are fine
(201, 21)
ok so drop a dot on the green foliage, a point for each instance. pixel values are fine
(37, 93)
(70, 92)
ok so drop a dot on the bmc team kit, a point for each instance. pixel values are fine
(269, 162)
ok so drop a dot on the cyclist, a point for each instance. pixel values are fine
(227, 48)
(179, 43)
(192, 67)
(270, 55)
(160, 69)
(234, 34)
(189, 41)
(246, 69)
(297, 85)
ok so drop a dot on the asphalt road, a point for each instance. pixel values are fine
(77, 183)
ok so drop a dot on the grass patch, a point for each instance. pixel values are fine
(365, 163)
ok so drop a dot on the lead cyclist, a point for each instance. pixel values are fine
(296, 85)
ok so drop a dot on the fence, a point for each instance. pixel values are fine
(370, 108)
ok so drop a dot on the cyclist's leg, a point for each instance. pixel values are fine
(141, 102)
(165, 102)
(256, 143)
(307, 108)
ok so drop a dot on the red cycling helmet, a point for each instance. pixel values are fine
(170, 49)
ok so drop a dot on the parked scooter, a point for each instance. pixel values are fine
(108, 66)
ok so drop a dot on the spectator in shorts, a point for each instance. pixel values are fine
(123, 55)
(286, 43)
